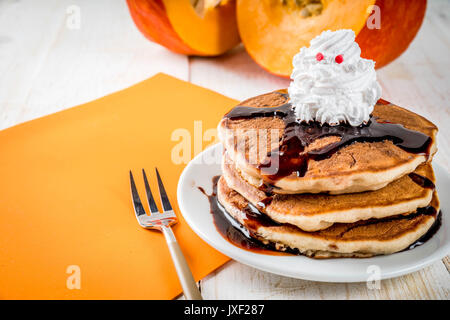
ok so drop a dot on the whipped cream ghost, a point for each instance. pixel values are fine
(331, 83)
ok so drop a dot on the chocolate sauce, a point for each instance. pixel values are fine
(290, 157)
(268, 190)
(429, 234)
(243, 237)
(422, 181)
(232, 230)
(265, 202)
(428, 210)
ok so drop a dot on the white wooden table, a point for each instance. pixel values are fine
(49, 62)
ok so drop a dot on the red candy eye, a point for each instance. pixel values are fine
(319, 56)
(339, 59)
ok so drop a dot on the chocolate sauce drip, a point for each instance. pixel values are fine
(290, 157)
(243, 237)
(430, 233)
(428, 210)
(233, 231)
(243, 112)
(265, 202)
(267, 189)
(422, 181)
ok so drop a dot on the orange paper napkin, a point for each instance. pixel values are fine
(66, 217)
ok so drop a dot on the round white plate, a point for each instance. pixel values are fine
(195, 208)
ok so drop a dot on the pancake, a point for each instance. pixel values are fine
(312, 212)
(355, 167)
(360, 239)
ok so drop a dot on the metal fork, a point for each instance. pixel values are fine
(162, 222)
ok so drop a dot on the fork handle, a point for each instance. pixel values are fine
(187, 281)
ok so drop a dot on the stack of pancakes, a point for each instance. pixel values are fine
(371, 195)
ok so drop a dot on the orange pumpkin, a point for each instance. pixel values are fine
(400, 22)
(273, 31)
(203, 28)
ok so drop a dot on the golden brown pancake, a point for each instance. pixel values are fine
(357, 167)
(312, 212)
(360, 239)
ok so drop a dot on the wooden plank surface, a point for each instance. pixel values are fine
(48, 62)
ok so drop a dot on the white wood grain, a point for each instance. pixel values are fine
(45, 66)
(237, 281)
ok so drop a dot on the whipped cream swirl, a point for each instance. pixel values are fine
(331, 83)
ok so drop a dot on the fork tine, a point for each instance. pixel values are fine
(164, 199)
(151, 201)
(138, 207)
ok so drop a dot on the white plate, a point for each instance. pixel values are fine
(195, 208)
